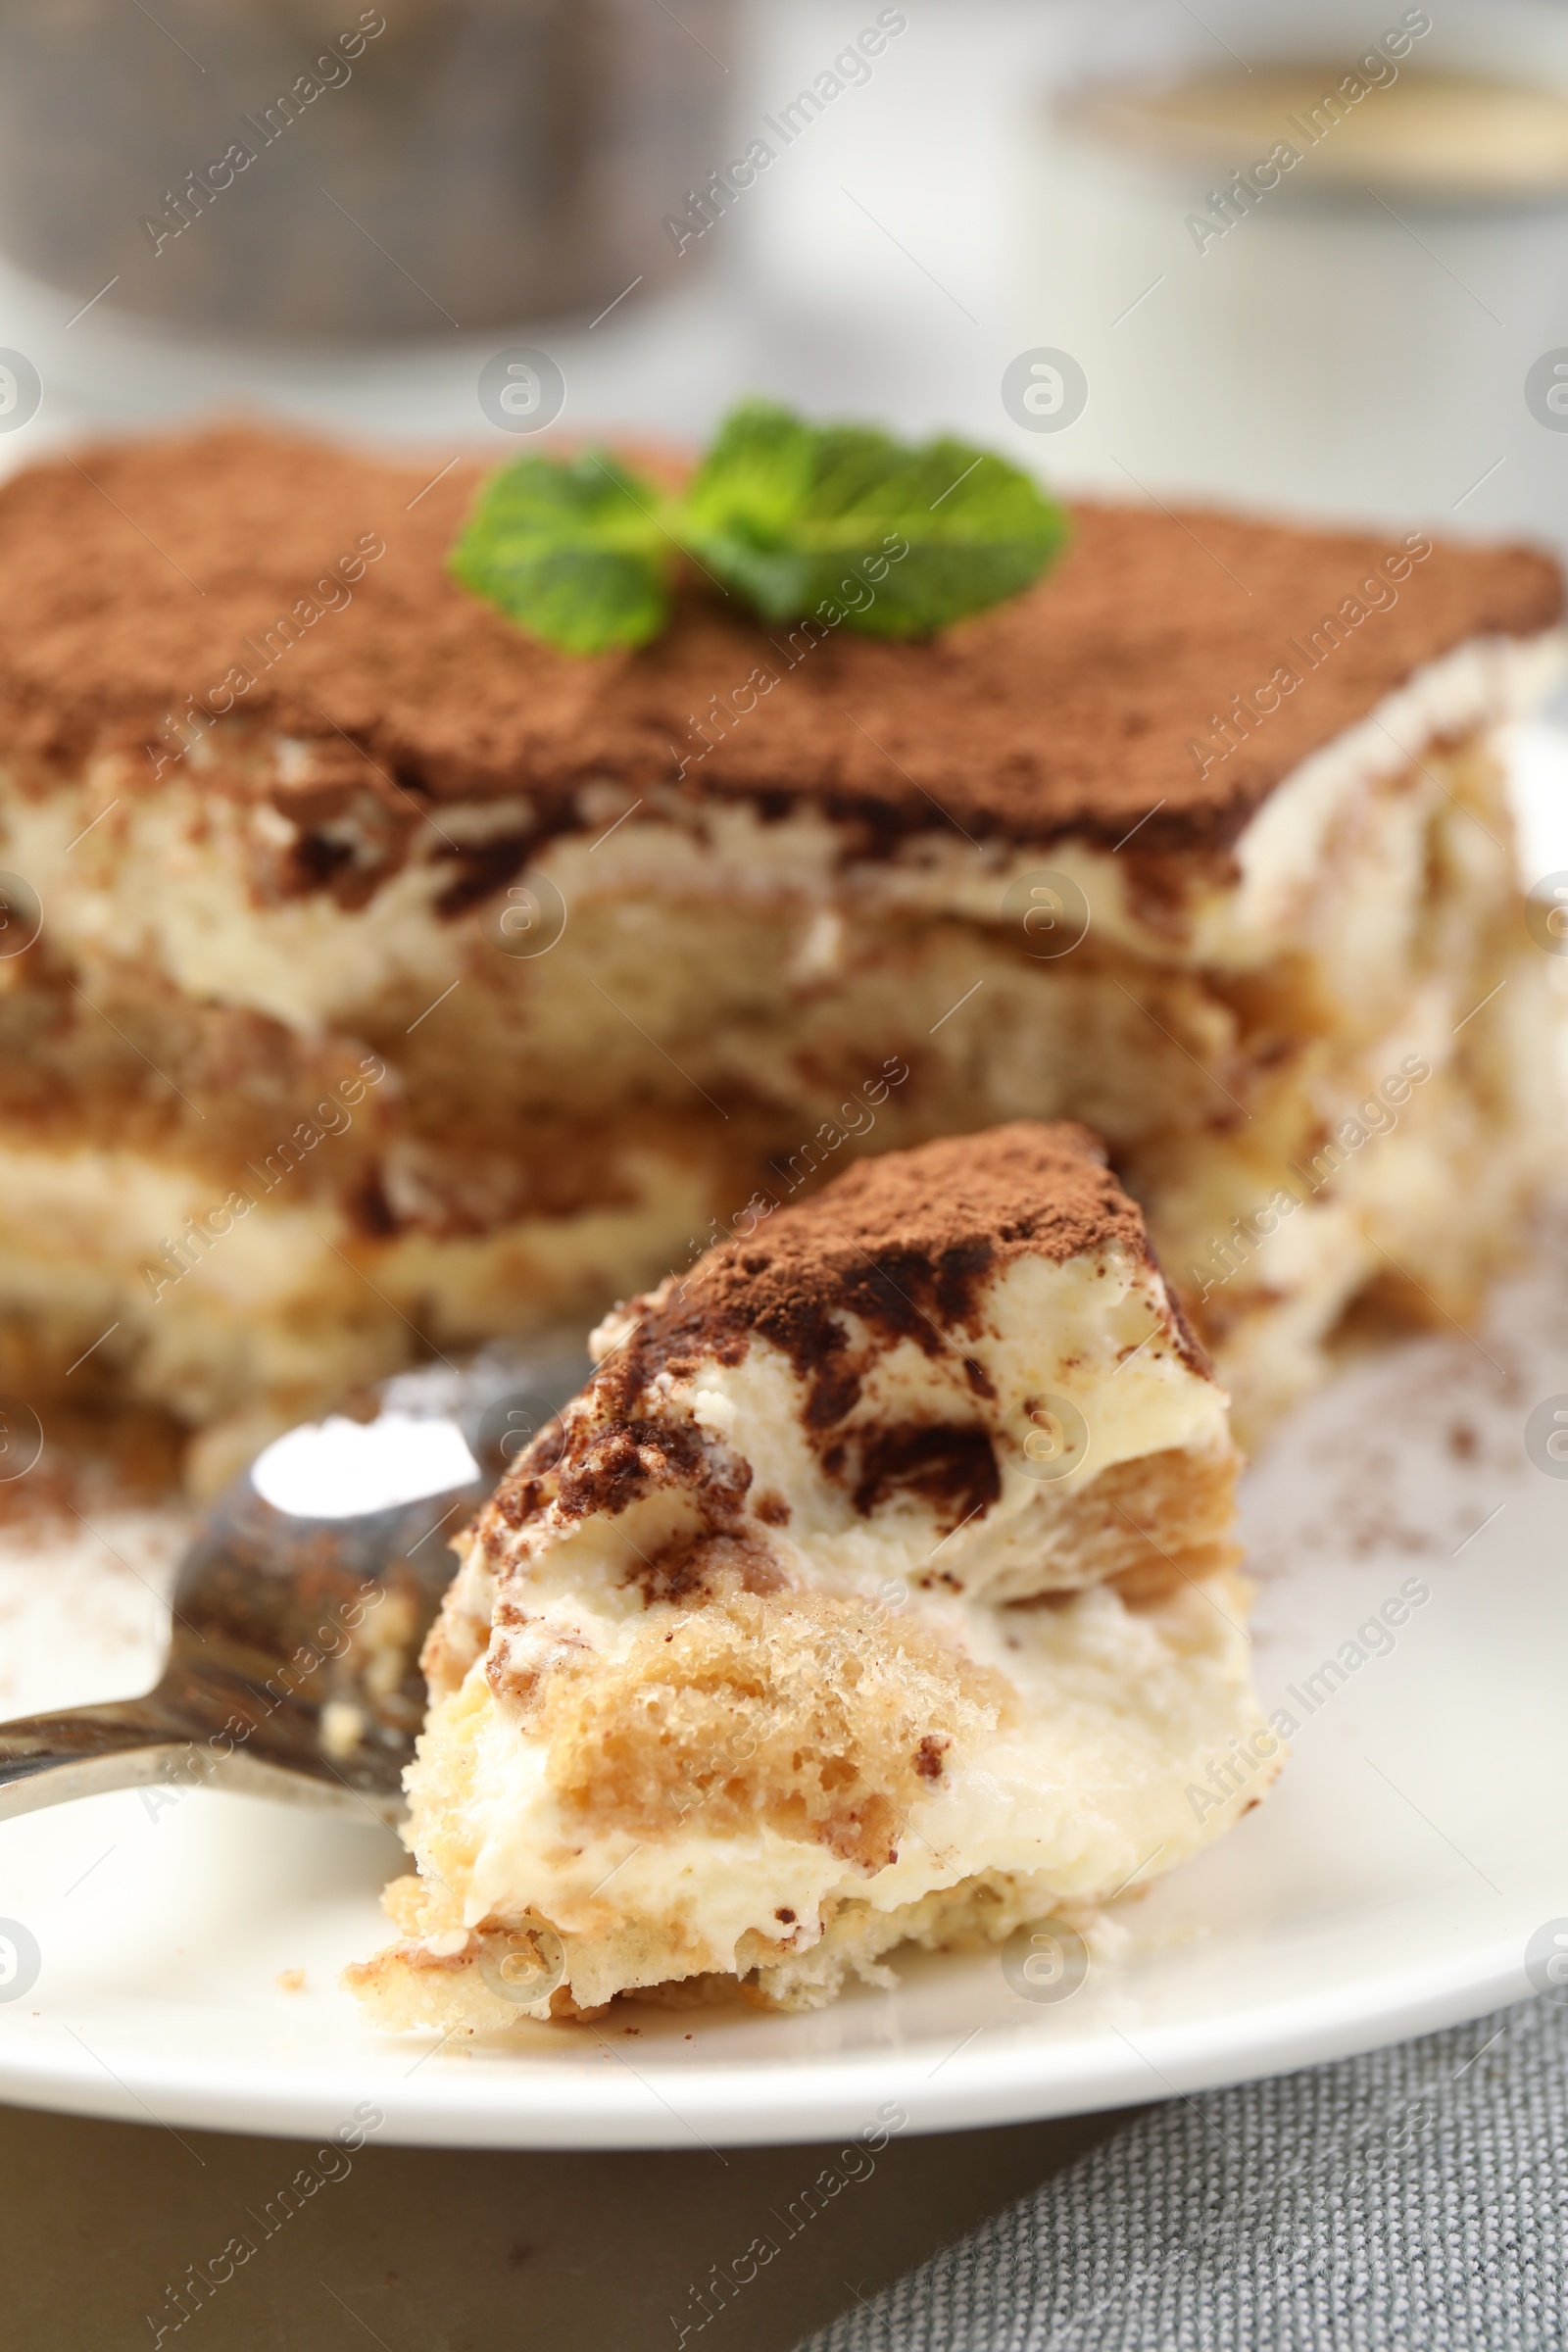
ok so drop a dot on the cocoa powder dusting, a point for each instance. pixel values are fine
(900, 1247)
(142, 575)
(904, 1243)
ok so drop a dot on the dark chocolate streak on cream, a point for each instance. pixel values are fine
(908, 1244)
(1072, 709)
(953, 1469)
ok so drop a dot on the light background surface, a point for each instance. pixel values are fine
(911, 245)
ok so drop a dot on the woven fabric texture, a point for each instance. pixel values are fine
(1416, 2198)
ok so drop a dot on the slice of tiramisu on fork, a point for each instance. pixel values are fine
(880, 1587)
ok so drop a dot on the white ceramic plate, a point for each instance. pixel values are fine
(1413, 1852)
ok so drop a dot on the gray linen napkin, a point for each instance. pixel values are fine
(1414, 2197)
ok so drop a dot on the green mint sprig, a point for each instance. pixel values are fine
(571, 550)
(788, 517)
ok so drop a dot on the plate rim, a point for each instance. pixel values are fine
(786, 2101)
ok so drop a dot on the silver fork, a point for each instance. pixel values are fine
(297, 1624)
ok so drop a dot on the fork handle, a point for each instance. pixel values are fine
(136, 1744)
(123, 1743)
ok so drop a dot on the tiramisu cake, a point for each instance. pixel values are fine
(877, 1588)
(378, 977)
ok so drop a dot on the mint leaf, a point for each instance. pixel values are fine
(570, 551)
(897, 540)
(838, 521)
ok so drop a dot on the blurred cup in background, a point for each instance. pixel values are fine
(1312, 257)
(315, 169)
